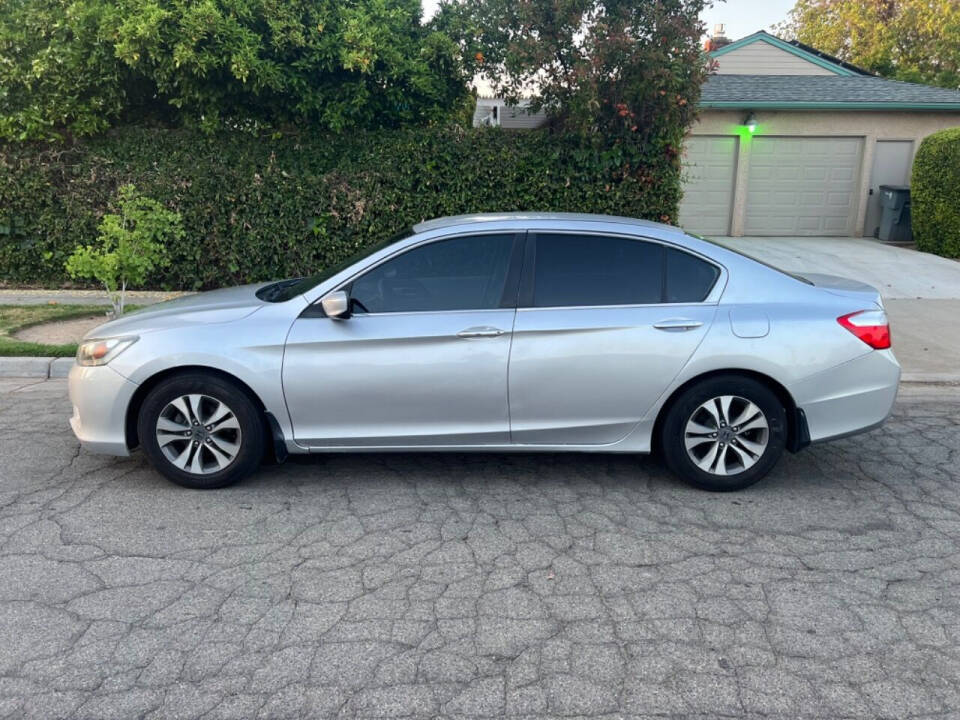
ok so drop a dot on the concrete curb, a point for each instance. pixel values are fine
(35, 367)
(931, 378)
(49, 367)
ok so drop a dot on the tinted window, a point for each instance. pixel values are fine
(596, 270)
(465, 273)
(689, 279)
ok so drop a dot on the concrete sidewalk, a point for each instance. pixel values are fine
(926, 337)
(82, 297)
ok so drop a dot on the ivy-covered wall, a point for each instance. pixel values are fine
(287, 205)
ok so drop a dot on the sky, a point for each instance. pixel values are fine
(741, 17)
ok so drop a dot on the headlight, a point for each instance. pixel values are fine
(100, 352)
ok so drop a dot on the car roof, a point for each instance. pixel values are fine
(521, 217)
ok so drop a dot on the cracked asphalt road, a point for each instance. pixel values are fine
(481, 585)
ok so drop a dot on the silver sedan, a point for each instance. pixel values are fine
(532, 332)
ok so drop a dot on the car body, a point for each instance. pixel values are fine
(529, 342)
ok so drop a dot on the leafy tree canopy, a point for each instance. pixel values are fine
(912, 40)
(85, 65)
(619, 68)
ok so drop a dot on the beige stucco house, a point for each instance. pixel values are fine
(792, 141)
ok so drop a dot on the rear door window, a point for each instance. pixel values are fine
(588, 270)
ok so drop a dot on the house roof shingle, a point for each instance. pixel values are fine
(830, 58)
(824, 91)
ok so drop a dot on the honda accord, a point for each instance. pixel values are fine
(512, 332)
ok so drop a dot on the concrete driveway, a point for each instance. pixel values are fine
(897, 272)
(921, 291)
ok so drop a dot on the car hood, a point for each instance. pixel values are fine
(216, 306)
(845, 287)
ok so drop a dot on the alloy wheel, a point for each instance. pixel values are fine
(198, 434)
(726, 435)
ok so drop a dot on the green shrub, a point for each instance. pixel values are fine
(288, 205)
(934, 194)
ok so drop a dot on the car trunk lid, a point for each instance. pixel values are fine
(845, 287)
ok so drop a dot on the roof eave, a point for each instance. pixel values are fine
(779, 105)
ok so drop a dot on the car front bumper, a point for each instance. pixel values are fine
(851, 398)
(100, 397)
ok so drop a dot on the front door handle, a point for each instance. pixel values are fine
(480, 332)
(677, 324)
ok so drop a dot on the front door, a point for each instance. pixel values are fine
(422, 360)
(604, 326)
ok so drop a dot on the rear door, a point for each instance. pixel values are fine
(604, 325)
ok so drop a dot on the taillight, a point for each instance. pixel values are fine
(871, 326)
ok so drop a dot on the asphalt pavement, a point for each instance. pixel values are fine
(479, 586)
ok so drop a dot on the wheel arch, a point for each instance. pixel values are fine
(136, 402)
(798, 436)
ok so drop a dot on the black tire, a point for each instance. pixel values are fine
(683, 409)
(214, 388)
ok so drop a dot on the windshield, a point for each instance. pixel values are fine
(755, 259)
(288, 289)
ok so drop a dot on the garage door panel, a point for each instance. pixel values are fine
(835, 226)
(709, 169)
(765, 173)
(802, 186)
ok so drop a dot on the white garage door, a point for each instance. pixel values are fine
(709, 166)
(802, 186)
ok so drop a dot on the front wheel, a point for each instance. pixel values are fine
(201, 431)
(724, 433)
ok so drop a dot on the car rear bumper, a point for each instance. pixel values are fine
(850, 398)
(100, 398)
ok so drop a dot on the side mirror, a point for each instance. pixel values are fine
(336, 305)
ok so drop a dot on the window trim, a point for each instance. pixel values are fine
(514, 275)
(529, 271)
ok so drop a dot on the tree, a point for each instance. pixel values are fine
(84, 65)
(131, 245)
(912, 40)
(621, 69)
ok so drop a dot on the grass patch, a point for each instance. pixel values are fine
(18, 317)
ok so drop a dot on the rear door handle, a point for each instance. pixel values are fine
(677, 324)
(480, 332)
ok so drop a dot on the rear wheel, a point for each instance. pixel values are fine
(201, 431)
(724, 433)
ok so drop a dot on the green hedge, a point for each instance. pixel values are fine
(935, 194)
(261, 208)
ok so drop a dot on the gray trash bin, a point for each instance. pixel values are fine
(895, 214)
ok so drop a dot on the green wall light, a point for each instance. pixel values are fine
(751, 123)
